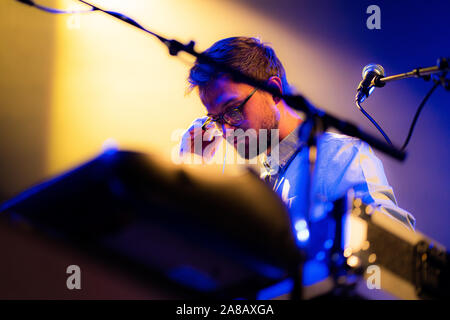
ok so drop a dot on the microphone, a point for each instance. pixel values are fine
(370, 74)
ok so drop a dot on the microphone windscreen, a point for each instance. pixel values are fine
(379, 70)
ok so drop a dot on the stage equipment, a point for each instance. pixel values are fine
(232, 235)
(382, 256)
(217, 236)
(373, 76)
(136, 185)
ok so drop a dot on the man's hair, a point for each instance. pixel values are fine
(248, 55)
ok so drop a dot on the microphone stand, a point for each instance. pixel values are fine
(440, 72)
(442, 67)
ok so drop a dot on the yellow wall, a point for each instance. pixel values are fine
(27, 51)
(95, 78)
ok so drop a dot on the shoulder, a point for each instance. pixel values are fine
(340, 146)
(336, 138)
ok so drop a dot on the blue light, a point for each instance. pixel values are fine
(320, 256)
(276, 290)
(371, 90)
(314, 271)
(328, 244)
(303, 235)
(320, 210)
(110, 146)
(302, 230)
(345, 240)
(193, 278)
(269, 271)
(300, 225)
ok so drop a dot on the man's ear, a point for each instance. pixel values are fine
(275, 82)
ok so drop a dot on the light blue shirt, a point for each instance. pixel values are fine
(342, 163)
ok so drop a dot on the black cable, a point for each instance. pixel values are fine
(127, 19)
(374, 122)
(93, 8)
(416, 116)
(52, 10)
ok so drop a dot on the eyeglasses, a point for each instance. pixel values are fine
(232, 116)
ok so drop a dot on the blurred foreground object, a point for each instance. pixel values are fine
(211, 234)
(139, 228)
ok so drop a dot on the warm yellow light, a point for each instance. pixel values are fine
(353, 261)
(356, 211)
(89, 78)
(347, 252)
(113, 81)
(365, 245)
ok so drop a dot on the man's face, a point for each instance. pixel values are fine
(260, 112)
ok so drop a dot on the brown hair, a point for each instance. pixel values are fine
(248, 55)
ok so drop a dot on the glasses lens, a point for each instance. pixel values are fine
(233, 117)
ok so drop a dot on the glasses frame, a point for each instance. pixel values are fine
(221, 117)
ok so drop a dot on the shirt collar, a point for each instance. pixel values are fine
(288, 148)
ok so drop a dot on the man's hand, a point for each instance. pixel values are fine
(201, 139)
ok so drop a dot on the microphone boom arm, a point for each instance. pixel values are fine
(442, 66)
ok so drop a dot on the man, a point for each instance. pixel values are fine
(342, 162)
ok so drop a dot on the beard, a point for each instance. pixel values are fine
(249, 143)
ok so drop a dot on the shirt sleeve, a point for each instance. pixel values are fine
(353, 164)
(376, 189)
